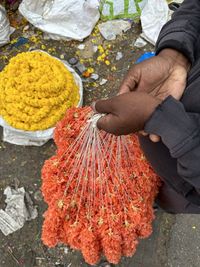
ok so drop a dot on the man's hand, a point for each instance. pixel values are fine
(160, 76)
(126, 113)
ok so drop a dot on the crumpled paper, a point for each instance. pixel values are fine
(19, 209)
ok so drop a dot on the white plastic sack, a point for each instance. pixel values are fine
(62, 19)
(121, 9)
(36, 138)
(5, 29)
(154, 16)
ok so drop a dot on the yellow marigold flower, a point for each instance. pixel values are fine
(90, 70)
(101, 49)
(35, 91)
(107, 62)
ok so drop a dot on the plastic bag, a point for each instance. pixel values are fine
(62, 19)
(154, 15)
(36, 138)
(123, 9)
(110, 29)
(5, 29)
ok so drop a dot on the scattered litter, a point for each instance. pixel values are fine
(110, 29)
(38, 196)
(88, 72)
(104, 264)
(5, 29)
(66, 19)
(95, 48)
(80, 67)
(32, 48)
(29, 34)
(19, 209)
(119, 56)
(154, 16)
(20, 41)
(103, 81)
(145, 56)
(81, 46)
(10, 251)
(194, 227)
(113, 9)
(140, 42)
(94, 76)
(26, 28)
(90, 89)
(46, 36)
(73, 61)
(113, 68)
(86, 49)
(62, 56)
(66, 250)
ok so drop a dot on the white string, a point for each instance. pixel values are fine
(97, 157)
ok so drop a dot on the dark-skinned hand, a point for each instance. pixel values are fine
(159, 77)
(126, 113)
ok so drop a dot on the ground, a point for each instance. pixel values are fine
(175, 239)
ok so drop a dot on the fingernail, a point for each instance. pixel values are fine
(93, 107)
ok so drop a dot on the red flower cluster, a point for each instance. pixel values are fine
(99, 189)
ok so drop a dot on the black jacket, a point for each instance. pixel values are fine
(178, 122)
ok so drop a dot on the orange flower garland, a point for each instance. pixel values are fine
(97, 211)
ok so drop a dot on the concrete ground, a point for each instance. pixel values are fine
(175, 240)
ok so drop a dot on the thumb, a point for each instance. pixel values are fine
(104, 106)
(128, 84)
(123, 89)
(108, 123)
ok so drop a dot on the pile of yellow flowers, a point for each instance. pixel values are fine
(35, 91)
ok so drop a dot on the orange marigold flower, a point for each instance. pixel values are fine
(99, 189)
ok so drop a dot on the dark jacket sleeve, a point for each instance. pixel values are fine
(182, 31)
(180, 132)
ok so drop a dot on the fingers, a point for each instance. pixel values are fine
(154, 138)
(143, 133)
(123, 90)
(109, 123)
(104, 106)
(128, 84)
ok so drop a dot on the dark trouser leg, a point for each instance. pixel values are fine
(170, 201)
(165, 166)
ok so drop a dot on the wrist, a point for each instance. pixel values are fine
(153, 103)
(175, 58)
